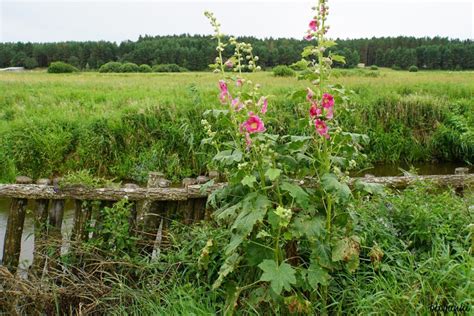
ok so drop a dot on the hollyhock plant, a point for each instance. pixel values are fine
(315, 110)
(237, 105)
(309, 37)
(313, 25)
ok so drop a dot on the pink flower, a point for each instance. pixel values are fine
(327, 101)
(314, 111)
(253, 124)
(321, 128)
(263, 102)
(237, 104)
(224, 96)
(248, 140)
(239, 82)
(229, 63)
(223, 86)
(308, 37)
(313, 25)
(330, 113)
(309, 94)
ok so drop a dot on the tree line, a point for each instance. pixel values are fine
(196, 52)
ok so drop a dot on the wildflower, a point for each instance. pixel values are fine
(308, 37)
(321, 128)
(239, 82)
(315, 111)
(237, 105)
(263, 102)
(327, 101)
(313, 25)
(248, 140)
(229, 63)
(253, 124)
(224, 95)
(330, 113)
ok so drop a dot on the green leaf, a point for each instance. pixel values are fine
(332, 185)
(215, 113)
(297, 193)
(249, 181)
(228, 157)
(273, 173)
(229, 265)
(370, 188)
(338, 58)
(312, 228)
(298, 94)
(317, 275)
(280, 277)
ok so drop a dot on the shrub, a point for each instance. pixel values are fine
(59, 67)
(283, 71)
(129, 67)
(168, 68)
(144, 68)
(374, 67)
(111, 66)
(396, 67)
(413, 69)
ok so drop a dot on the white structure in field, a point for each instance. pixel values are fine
(13, 69)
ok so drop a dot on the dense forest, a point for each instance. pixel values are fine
(197, 52)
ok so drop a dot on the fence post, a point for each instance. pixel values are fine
(54, 242)
(14, 230)
(460, 171)
(41, 223)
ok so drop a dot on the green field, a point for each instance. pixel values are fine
(124, 125)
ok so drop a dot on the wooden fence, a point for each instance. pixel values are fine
(151, 206)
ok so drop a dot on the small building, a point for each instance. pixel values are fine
(13, 69)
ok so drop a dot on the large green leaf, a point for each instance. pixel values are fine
(297, 193)
(304, 225)
(332, 185)
(249, 181)
(272, 173)
(229, 265)
(280, 276)
(228, 157)
(317, 275)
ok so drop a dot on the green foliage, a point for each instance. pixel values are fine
(30, 63)
(111, 66)
(84, 178)
(145, 68)
(129, 67)
(374, 67)
(59, 67)
(413, 69)
(168, 68)
(283, 71)
(396, 67)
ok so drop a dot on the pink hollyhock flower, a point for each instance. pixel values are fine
(263, 102)
(327, 101)
(314, 111)
(224, 97)
(308, 37)
(223, 86)
(239, 82)
(309, 94)
(313, 25)
(253, 124)
(229, 63)
(321, 128)
(248, 140)
(330, 113)
(237, 104)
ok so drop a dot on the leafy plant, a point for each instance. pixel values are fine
(61, 67)
(283, 71)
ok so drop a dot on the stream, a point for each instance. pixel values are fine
(26, 255)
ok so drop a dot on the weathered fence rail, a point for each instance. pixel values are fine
(152, 207)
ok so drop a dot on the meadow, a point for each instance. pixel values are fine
(124, 125)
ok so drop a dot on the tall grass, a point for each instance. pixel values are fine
(124, 125)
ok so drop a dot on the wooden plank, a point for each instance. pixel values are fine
(41, 225)
(14, 230)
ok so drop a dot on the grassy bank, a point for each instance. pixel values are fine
(124, 125)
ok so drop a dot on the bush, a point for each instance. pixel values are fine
(129, 67)
(283, 71)
(374, 67)
(396, 67)
(144, 68)
(111, 66)
(59, 67)
(413, 69)
(168, 68)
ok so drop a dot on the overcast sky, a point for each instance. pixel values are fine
(46, 21)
